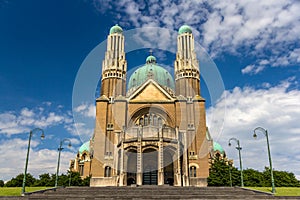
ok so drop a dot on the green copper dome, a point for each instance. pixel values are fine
(116, 29)
(184, 29)
(85, 147)
(151, 59)
(151, 71)
(218, 147)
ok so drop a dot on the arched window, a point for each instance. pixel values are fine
(150, 119)
(107, 171)
(155, 120)
(141, 122)
(159, 122)
(84, 156)
(193, 171)
(81, 169)
(146, 120)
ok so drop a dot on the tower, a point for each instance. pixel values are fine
(187, 75)
(193, 121)
(114, 65)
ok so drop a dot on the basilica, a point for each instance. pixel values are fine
(150, 128)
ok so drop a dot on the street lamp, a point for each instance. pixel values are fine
(58, 160)
(265, 132)
(239, 148)
(27, 157)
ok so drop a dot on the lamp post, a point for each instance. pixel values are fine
(265, 132)
(27, 157)
(58, 160)
(239, 148)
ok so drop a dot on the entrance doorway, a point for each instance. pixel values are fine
(131, 167)
(168, 167)
(150, 157)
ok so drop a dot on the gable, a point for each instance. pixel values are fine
(151, 91)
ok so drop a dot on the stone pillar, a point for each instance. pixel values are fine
(185, 170)
(122, 173)
(160, 161)
(139, 162)
(178, 172)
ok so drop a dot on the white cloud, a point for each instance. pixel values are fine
(248, 28)
(252, 69)
(14, 122)
(86, 110)
(40, 161)
(274, 108)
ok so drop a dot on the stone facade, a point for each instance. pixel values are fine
(153, 133)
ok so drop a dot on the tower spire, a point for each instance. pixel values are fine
(114, 65)
(187, 75)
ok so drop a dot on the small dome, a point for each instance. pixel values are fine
(151, 71)
(85, 147)
(151, 59)
(218, 147)
(116, 29)
(184, 29)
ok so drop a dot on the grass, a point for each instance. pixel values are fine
(280, 191)
(16, 191)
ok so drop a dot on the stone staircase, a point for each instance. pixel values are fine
(146, 192)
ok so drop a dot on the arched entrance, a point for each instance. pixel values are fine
(150, 157)
(168, 167)
(131, 167)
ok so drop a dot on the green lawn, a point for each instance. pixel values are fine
(280, 191)
(16, 191)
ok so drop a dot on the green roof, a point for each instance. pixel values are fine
(85, 147)
(151, 59)
(218, 147)
(151, 71)
(116, 29)
(184, 29)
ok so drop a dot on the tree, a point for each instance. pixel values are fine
(253, 178)
(45, 180)
(283, 178)
(75, 178)
(219, 174)
(86, 181)
(1, 183)
(18, 181)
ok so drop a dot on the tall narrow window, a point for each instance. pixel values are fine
(146, 120)
(81, 169)
(193, 172)
(107, 172)
(159, 122)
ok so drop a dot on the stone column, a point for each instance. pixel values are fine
(178, 172)
(185, 170)
(139, 162)
(160, 160)
(122, 173)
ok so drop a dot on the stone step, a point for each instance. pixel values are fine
(155, 197)
(147, 192)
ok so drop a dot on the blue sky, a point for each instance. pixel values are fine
(254, 45)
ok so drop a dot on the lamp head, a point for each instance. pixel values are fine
(70, 145)
(229, 144)
(254, 135)
(42, 136)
